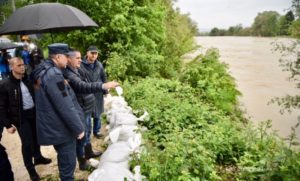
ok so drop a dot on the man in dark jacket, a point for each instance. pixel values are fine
(58, 112)
(84, 92)
(17, 111)
(94, 71)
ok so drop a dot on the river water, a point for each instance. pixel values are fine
(258, 76)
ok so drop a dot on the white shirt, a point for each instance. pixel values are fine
(27, 98)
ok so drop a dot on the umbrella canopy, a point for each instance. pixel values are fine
(8, 45)
(46, 17)
(3, 39)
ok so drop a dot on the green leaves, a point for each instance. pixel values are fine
(192, 135)
(211, 81)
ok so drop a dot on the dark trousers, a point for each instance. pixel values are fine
(80, 147)
(96, 127)
(6, 173)
(27, 133)
(66, 158)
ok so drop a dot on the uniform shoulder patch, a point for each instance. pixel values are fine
(61, 85)
(64, 94)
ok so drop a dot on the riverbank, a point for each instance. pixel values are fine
(255, 66)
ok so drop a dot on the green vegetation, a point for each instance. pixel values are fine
(291, 64)
(267, 23)
(196, 130)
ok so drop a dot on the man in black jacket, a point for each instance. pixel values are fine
(84, 92)
(17, 112)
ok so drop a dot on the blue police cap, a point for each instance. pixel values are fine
(58, 48)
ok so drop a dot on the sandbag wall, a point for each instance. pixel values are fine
(124, 140)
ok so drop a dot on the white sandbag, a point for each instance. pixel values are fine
(125, 119)
(94, 163)
(111, 172)
(121, 151)
(116, 118)
(118, 102)
(119, 90)
(137, 174)
(122, 133)
(111, 102)
(116, 152)
(111, 114)
(124, 164)
(128, 119)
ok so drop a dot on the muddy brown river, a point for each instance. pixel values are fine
(258, 76)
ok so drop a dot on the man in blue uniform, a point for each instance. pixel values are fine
(58, 112)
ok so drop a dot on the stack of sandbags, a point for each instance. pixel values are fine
(123, 139)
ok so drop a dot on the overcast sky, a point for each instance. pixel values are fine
(225, 13)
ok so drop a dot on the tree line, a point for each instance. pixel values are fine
(267, 23)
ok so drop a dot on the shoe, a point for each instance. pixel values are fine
(89, 153)
(98, 135)
(33, 175)
(84, 164)
(42, 160)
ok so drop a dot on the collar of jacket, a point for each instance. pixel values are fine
(12, 77)
(74, 70)
(84, 61)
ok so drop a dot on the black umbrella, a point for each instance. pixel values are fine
(46, 17)
(8, 45)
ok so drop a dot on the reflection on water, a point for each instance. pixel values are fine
(258, 76)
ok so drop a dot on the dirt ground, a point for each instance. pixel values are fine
(47, 172)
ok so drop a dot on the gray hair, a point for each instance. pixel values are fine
(73, 53)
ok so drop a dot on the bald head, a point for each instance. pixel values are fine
(13, 60)
(17, 67)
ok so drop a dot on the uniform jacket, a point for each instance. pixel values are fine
(11, 103)
(58, 112)
(96, 74)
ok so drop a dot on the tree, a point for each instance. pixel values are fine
(266, 24)
(234, 30)
(137, 38)
(292, 65)
(295, 27)
(214, 32)
(296, 8)
(285, 22)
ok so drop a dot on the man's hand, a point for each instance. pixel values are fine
(12, 129)
(80, 136)
(109, 85)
